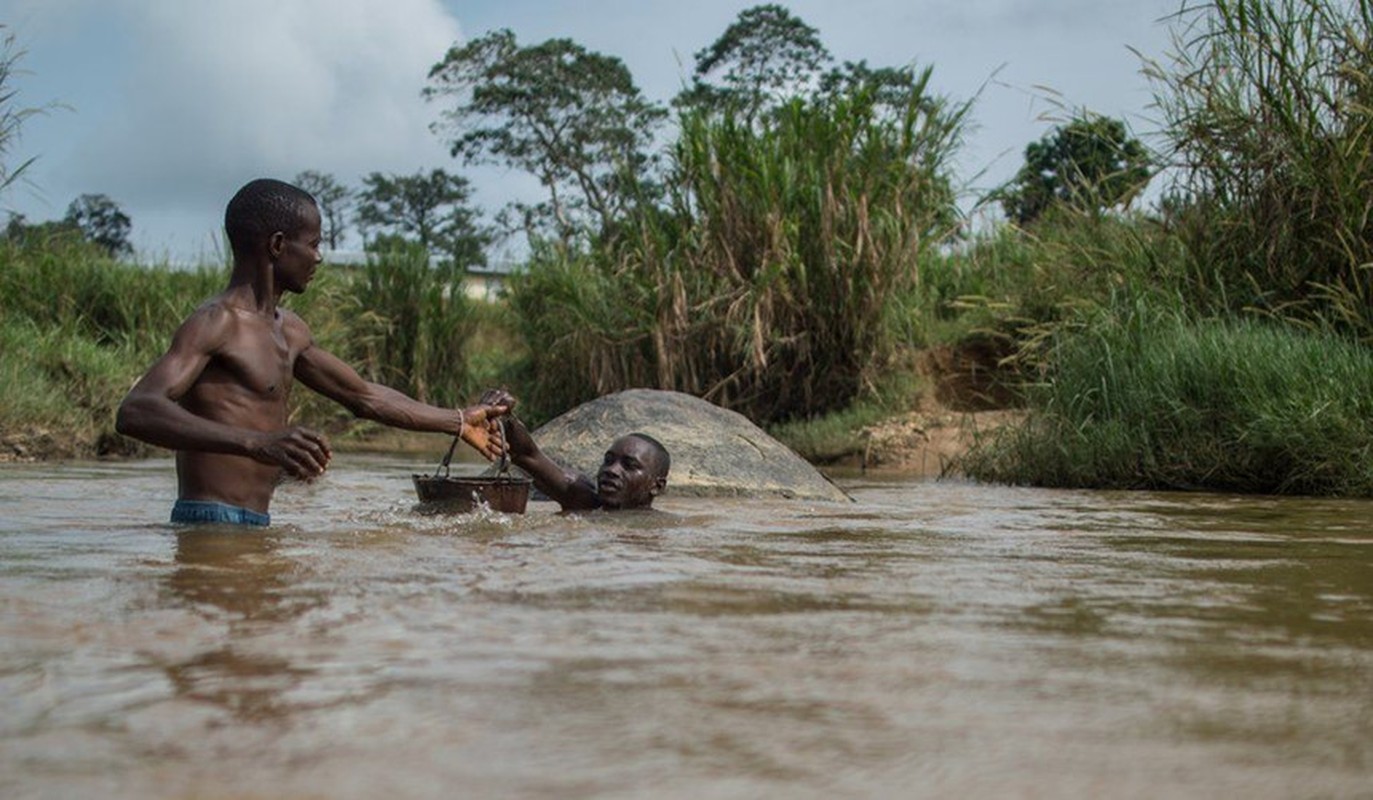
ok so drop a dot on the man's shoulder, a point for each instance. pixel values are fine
(212, 314)
(212, 326)
(213, 306)
(295, 327)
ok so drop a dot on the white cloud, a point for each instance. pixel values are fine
(221, 92)
(178, 103)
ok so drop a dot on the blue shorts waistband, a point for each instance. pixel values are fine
(203, 511)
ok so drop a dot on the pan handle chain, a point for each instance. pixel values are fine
(505, 451)
(447, 457)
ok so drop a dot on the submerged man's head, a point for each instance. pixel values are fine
(633, 473)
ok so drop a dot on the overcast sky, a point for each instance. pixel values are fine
(168, 106)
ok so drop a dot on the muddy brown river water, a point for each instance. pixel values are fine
(930, 639)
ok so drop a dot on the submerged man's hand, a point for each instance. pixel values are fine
(499, 397)
(518, 442)
(301, 452)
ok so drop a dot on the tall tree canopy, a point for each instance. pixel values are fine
(571, 117)
(334, 199)
(101, 222)
(1092, 163)
(434, 209)
(764, 58)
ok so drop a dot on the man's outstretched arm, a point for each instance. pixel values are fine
(329, 375)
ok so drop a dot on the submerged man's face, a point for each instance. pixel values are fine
(629, 475)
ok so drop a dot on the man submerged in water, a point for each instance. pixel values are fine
(633, 472)
(219, 395)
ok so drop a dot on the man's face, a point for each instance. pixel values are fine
(629, 475)
(299, 254)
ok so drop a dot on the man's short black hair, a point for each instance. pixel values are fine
(263, 207)
(660, 452)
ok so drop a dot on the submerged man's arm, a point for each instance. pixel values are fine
(572, 490)
(151, 411)
(329, 375)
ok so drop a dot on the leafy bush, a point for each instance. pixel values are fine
(1144, 398)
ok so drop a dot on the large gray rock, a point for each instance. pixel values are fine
(715, 452)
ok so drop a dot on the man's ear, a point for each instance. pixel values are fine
(658, 485)
(276, 244)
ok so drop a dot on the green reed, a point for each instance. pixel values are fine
(1268, 110)
(77, 328)
(765, 282)
(1147, 398)
(1022, 283)
(53, 381)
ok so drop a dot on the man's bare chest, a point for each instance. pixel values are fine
(258, 357)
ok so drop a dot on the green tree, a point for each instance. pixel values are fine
(434, 209)
(101, 222)
(335, 201)
(766, 57)
(571, 117)
(1090, 164)
(892, 88)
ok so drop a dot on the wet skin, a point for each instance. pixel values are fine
(627, 478)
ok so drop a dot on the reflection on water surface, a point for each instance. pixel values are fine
(930, 639)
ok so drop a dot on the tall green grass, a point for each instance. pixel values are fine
(587, 329)
(1023, 283)
(1148, 398)
(1267, 108)
(54, 381)
(1233, 363)
(76, 330)
(62, 283)
(765, 283)
(414, 324)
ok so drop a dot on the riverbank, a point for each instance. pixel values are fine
(958, 396)
(929, 441)
(926, 441)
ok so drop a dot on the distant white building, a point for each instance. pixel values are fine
(486, 283)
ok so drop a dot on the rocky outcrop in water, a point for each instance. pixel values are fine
(715, 452)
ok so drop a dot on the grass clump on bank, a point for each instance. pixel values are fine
(58, 385)
(1144, 399)
(76, 330)
(1242, 369)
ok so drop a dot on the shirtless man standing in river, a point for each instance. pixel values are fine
(219, 395)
